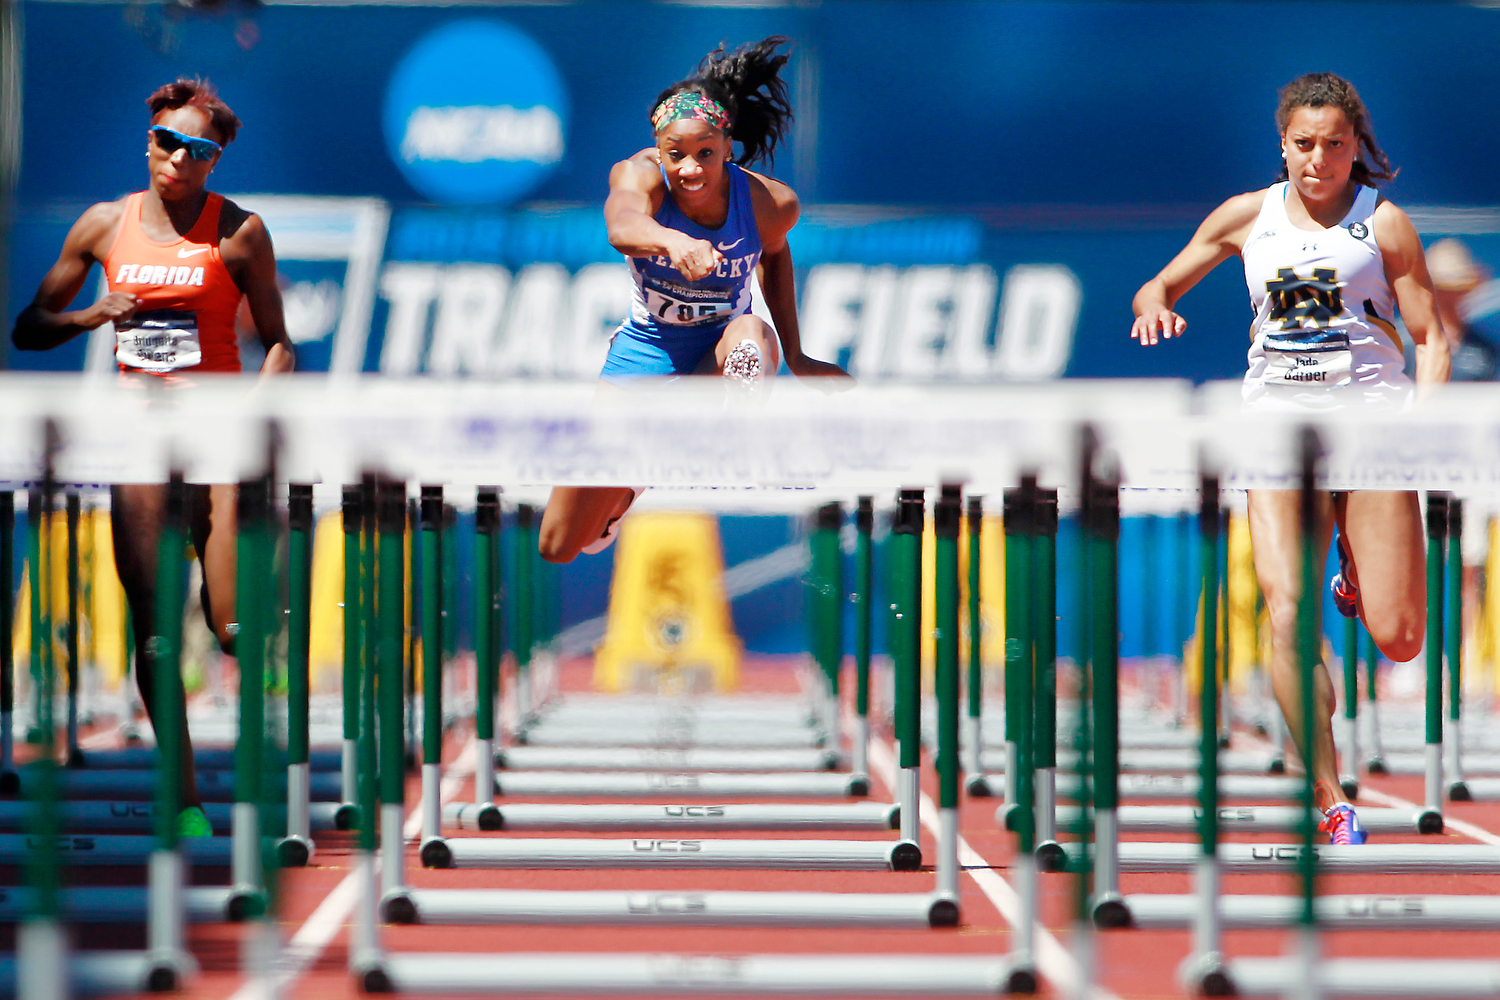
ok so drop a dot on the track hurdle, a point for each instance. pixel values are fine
(441, 852)
(834, 975)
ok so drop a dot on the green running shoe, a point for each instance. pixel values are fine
(193, 822)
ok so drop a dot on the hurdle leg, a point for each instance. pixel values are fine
(413, 554)
(946, 521)
(70, 646)
(825, 595)
(1018, 621)
(365, 956)
(487, 638)
(170, 961)
(906, 647)
(1204, 971)
(431, 603)
(352, 514)
(973, 733)
(390, 610)
(522, 636)
(1184, 617)
(1081, 939)
(1020, 527)
(8, 779)
(1437, 527)
(864, 606)
(42, 941)
(1309, 637)
(1051, 856)
(1103, 539)
(1350, 776)
(295, 849)
(1376, 762)
(251, 570)
(1458, 789)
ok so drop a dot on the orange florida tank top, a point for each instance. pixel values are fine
(187, 300)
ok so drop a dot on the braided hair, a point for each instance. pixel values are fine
(746, 82)
(1329, 90)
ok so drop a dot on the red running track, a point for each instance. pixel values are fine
(1134, 964)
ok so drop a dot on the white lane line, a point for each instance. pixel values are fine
(1467, 829)
(323, 925)
(1053, 960)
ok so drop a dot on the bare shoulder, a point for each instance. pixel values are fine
(773, 199)
(241, 230)
(1232, 220)
(1392, 224)
(641, 172)
(96, 228)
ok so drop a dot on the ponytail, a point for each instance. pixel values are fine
(746, 82)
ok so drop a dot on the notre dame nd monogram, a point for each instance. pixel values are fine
(1305, 303)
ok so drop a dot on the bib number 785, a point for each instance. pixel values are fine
(685, 313)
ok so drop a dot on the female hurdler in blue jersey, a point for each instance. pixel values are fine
(697, 228)
(1328, 262)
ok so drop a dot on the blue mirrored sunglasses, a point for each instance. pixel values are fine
(169, 141)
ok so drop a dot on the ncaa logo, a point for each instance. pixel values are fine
(476, 112)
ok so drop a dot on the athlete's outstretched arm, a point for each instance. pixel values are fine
(43, 325)
(1406, 273)
(776, 211)
(1221, 236)
(636, 190)
(251, 259)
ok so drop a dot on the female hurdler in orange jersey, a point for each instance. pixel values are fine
(178, 259)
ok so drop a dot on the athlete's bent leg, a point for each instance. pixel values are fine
(738, 330)
(215, 537)
(135, 517)
(1384, 532)
(1276, 543)
(577, 516)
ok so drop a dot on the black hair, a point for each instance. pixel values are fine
(747, 83)
(1329, 90)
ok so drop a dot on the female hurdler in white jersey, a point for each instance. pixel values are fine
(697, 228)
(1329, 263)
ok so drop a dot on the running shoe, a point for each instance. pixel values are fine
(743, 366)
(193, 822)
(1345, 593)
(1339, 819)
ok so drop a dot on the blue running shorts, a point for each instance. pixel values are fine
(636, 353)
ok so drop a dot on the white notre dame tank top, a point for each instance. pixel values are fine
(1323, 333)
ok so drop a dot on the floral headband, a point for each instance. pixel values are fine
(687, 104)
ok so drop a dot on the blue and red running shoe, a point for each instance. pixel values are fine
(1345, 593)
(1339, 819)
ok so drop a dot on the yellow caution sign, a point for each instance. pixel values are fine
(101, 600)
(326, 625)
(669, 626)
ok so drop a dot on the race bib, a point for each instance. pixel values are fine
(685, 305)
(1308, 358)
(161, 340)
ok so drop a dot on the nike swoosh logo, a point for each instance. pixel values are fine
(185, 252)
(731, 246)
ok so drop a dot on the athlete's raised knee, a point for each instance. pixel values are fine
(1399, 640)
(555, 546)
